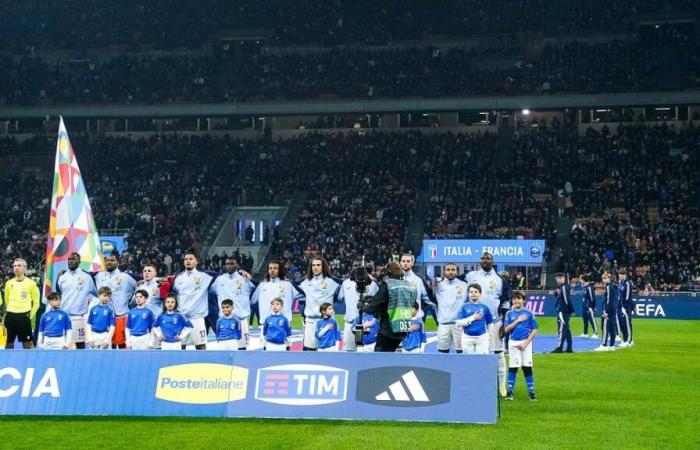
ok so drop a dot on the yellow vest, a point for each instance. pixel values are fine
(21, 296)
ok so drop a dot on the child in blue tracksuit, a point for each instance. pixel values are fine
(327, 332)
(413, 342)
(610, 299)
(172, 327)
(276, 329)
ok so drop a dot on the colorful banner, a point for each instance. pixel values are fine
(647, 307)
(71, 225)
(504, 251)
(372, 386)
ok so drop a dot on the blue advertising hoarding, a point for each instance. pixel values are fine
(647, 307)
(371, 386)
(504, 251)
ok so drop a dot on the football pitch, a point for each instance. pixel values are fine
(643, 397)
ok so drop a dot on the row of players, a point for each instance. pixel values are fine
(616, 316)
(171, 328)
(193, 287)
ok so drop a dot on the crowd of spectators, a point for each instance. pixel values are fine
(632, 192)
(612, 66)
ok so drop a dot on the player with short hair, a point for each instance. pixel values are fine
(415, 340)
(171, 326)
(610, 299)
(565, 309)
(276, 329)
(521, 326)
(234, 285)
(494, 294)
(425, 303)
(588, 307)
(624, 311)
(54, 326)
(192, 289)
(450, 295)
(139, 324)
(122, 286)
(317, 287)
(99, 327)
(228, 327)
(20, 306)
(477, 321)
(77, 289)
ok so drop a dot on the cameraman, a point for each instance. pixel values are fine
(359, 281)
(393, 305)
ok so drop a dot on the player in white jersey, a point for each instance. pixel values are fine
(450, 295)
(77, 289)
(493, 289)
(423, 298)
(236, 286)
(318, 287)
(192, 288)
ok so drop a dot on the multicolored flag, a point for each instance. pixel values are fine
(71, 226)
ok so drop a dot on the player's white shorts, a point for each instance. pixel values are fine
(198, 335)
(449, 335)
(495, 344)
(310, 340)
(332, 348)
(77, 332)
(171, 345)
(418, 349)
(229, 344)
(270, 347)
(349, 338)
(101, 341)
(244, 341)
(367, 348)
(53, 343)
(143, 342)
(517, 357)
(476, 345)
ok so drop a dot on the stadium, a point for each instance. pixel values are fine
(292, 224)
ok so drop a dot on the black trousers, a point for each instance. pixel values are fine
(386, 344)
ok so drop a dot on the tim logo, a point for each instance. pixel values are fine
(301, 384)
(433, 251)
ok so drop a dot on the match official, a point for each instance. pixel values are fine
(21, 302)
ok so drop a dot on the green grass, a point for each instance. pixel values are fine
(644, 397)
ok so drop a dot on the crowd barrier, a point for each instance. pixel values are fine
(371, 386)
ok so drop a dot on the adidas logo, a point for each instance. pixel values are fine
(406, 389)
(403, 386)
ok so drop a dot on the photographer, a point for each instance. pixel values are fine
(393, 306)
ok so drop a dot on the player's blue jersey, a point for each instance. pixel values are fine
(54, 323)
(370, 334)
(140, 321)
(523, 329)
(415, 338)
(329, 338)
(101, 317)
(228, 328)
(171, 325)
(477, 327)
(276, 329)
